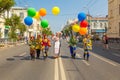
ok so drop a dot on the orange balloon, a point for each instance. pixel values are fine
(42, 12)
(83, 31)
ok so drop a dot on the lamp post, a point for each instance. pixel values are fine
(88, 19)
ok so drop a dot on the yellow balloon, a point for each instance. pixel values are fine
(55, 10)
(76, 28)
(37, 16)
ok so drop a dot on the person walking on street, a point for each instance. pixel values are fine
(38, 46)
(32, 45)
(46, 44)
(105, 41)
(56, 45)
(87, 45)
(72, 45)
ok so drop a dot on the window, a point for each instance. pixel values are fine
(0, 30)
(119, 28)
(94, 25)
(101, 25)
(21, 15)
(119, 9)
(6, 33)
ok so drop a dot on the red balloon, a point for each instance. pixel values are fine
(84, 23)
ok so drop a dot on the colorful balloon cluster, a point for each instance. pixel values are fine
(82, 27)
(36, 15)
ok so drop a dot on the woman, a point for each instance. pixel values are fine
(56, 45)
(105, 41)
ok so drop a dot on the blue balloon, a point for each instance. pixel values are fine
(28, 21)
(81, 16)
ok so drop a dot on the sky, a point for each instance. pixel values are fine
(69, 9)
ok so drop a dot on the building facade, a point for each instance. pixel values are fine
(98, 25)
(22, 12)
(114, 18)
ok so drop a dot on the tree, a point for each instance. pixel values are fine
(0, 34)
(22, 28)
(15, 23)
(47, 31)
(6, 5)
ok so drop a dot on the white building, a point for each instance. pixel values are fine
(98, 25)
(22, 12)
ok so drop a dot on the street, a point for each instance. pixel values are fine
(15, 64)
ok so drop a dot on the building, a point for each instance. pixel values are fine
(114, 18)
(98, 25)
(22, 12)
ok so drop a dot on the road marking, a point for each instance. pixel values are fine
(83, 60)
(56, 77)
(102, 58)
(22, 54)
(116, 54)
(63, 77)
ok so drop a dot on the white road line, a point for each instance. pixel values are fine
(63, 77)
(83, 60)
(56, 77)
(102, 58)
(86, 62)
(22, 54)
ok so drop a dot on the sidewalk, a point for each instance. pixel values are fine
(10, 45)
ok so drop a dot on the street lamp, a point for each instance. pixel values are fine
(88, 19)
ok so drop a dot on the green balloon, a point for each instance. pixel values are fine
(44, 23)
(31, 12)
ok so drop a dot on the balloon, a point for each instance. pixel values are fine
(42, 12)
(37, 16)
(76, 28)
(44, 23)
(84, 24)
(83, 31)
(55, 10)
(28, 21)
(31, 12)
(81, 16)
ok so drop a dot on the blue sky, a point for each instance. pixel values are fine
(69, 9)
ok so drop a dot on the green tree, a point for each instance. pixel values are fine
(6, 5)
(0, 34)
(15, 23)
(22, 29)
(47, 31)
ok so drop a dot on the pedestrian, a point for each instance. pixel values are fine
(46, 44)
(87, 45)
(72, 45)
(32, 45)
(38, 46)
(105, 41)
(56, 45)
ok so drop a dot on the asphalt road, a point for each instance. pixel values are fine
(15, 64)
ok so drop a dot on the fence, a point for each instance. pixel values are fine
(9, 42)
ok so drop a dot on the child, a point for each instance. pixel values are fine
(32, 48)
(87, 46)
